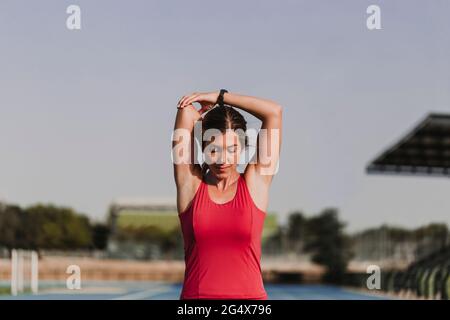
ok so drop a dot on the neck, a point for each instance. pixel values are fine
(222, 182)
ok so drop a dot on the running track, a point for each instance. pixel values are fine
(109, 290)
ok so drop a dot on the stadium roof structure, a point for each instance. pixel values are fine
(425, 150)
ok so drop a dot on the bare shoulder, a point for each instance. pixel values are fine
(187, 191)
(258, 186)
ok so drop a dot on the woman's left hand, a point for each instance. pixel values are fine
(207, 100)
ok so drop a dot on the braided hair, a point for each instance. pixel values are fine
(221, 118)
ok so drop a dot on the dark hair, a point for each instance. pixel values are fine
(224, 117)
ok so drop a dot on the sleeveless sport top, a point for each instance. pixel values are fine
(222, 246)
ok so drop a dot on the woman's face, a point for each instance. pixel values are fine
(222, 153)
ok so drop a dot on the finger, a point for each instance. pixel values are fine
(184, 100)
(179, 102)
(196, 98)
(187, 105)
(191, 99)
(181, 99)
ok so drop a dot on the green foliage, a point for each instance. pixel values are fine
(436, 231)
(270, 225)
(10, 226)
(100, 234)
(296, 227)
(323, 236)
(46, 227)
(329, 244)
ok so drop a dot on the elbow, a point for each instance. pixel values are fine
(278, 111)
(275, 112)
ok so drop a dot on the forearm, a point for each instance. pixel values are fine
(183, 135)
(186, 118)
(263, 109)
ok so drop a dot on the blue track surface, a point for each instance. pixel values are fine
(164, 291)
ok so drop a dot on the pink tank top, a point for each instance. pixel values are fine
(222, 247)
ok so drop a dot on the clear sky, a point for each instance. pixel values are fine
(86, 116)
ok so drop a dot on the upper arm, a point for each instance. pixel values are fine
(183, 150)
(268, 146)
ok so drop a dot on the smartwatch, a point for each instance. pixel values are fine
(220, 97)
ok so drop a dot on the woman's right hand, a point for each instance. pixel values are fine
(206, 100)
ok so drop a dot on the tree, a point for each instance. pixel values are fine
(328, 244)
(296, 231)
(9, 226)
(54, 227)
(100, 235)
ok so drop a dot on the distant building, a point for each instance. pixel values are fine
(139, 214)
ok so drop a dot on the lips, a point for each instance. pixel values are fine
(223, 167)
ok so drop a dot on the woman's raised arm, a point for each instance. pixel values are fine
(183, 156)
(269, 137)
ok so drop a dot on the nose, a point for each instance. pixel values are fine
(223, 158)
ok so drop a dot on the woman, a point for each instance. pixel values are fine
(222, 211)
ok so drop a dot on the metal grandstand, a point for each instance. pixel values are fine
(425, 150)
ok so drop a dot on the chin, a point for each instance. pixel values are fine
(224, 173)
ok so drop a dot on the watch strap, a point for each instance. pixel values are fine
(220, 97)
